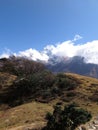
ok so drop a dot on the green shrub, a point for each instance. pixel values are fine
(66, 119)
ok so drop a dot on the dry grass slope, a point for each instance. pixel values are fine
(34, 112)
(86, 90)
(24, 115)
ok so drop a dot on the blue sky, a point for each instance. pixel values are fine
(34, 24)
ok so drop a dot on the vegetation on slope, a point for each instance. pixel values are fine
(68, 118)
(23, 81)
(34, 82)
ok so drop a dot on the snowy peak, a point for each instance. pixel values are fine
(74, 65)
(57, 59)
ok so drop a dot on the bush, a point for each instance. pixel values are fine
(21, 66)
(65, 82)
(66, 119)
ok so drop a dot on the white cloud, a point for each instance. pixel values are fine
(89, 51)
(68, 48)
(77, 37)
(34, 54)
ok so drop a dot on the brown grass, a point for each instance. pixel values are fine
(35, 112)
(6, 80)
(24, 114)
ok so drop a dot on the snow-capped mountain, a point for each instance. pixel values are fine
(75, 64)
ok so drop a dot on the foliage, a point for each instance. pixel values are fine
(33, 82)
(65, 82)
(66, 119)
(21, 66)
(42, 86)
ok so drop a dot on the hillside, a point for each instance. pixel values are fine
(27, 96)
(25, 115)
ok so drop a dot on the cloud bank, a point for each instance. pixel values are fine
(68, 48)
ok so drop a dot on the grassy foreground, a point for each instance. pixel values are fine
(34, 112)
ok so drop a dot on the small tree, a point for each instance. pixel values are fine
(67, 119)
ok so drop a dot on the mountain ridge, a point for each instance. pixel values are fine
(73, 65)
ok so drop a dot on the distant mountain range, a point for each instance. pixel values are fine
(74, 65)
(57, 64)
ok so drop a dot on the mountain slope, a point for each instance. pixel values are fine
(85, 94)
(26, 96)
(74, 65)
